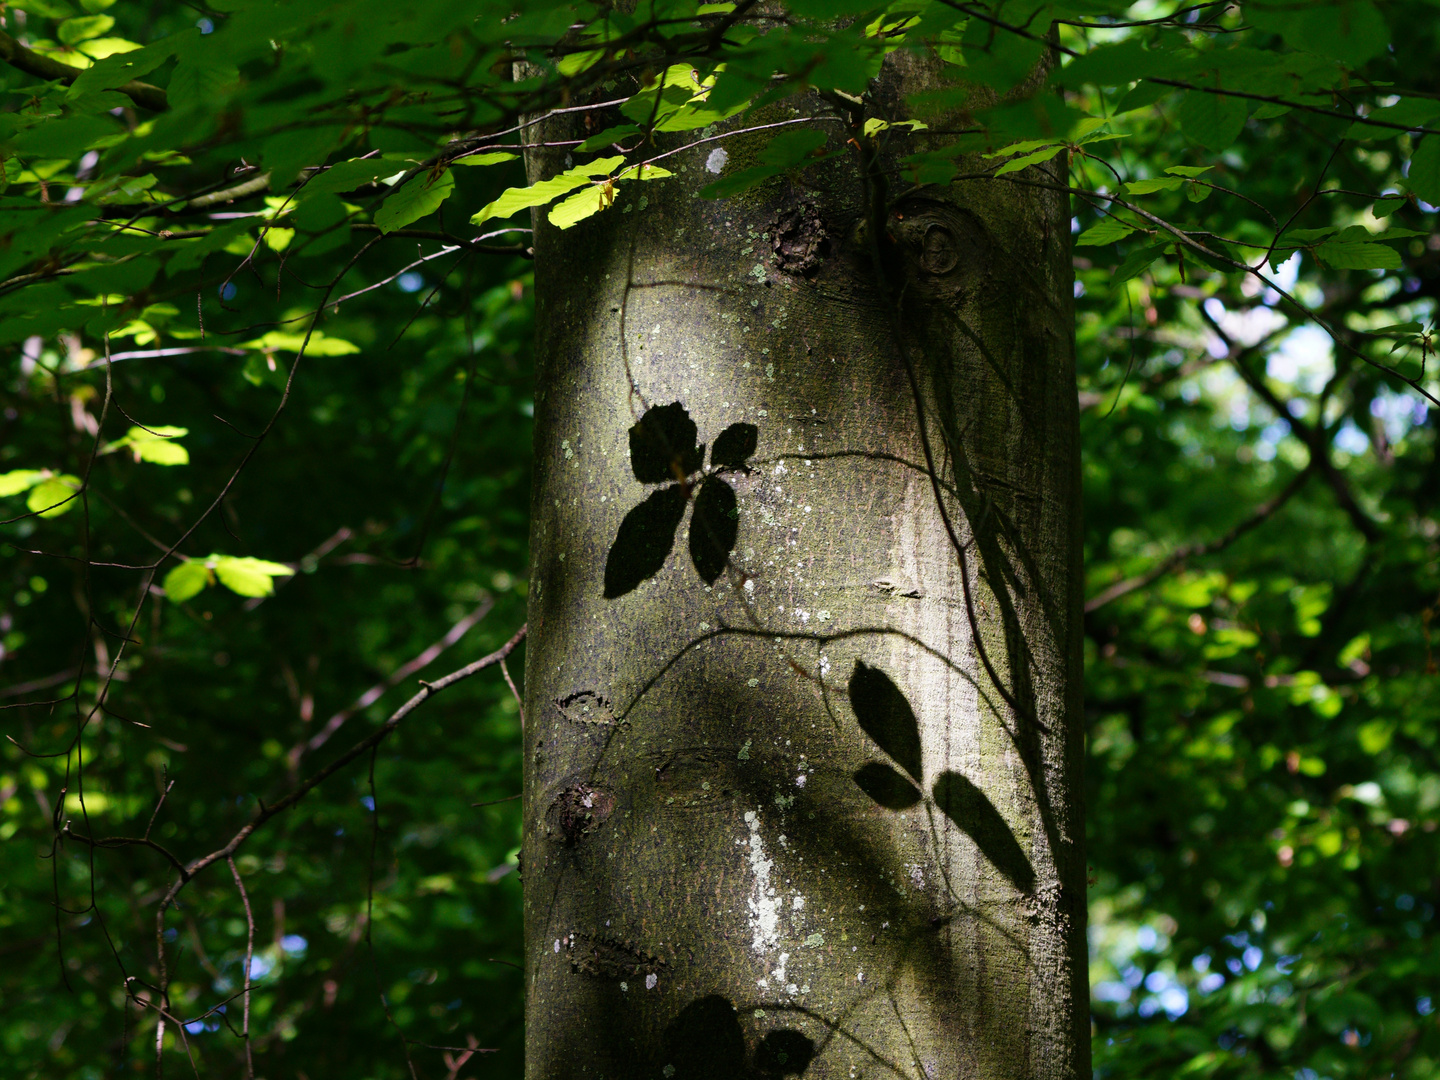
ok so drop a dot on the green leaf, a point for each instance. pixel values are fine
(74, 31)
(18, 480)
(1025, 160)
(1137, 261)
(46, 9)
(120, 68)
(54, 496)
(156, 445)
(740, 181)
(320, 212)
(607, 137)
(1023, 147)
(493, 157)
(420, 197)
(320, 344)
(201, 84)
(874, 125)
(247, 576)
(581, 205)
(522, 198)
(1361, 256)
(1149, 187)
(1424, 178)
(1106, 232)
(1212, 120)
(1188, 170)
(1350, 31)
(67, 138)
(1270, 110)
(349, 175)
(1141, 96)
(598, 195)
(791, 148)
(186, 580)
(577, 62)
(643, 171)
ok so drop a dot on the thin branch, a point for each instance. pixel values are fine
(266, 812)
(249, 963)
(404, 671)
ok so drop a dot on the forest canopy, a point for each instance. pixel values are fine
(267, 316)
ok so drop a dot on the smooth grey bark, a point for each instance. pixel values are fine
(729, 868)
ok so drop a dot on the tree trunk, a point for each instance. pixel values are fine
(803, 742)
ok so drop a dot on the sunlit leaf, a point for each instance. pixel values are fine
(18, 480)
(186, 580)
(54, 496)
(1107, 231)
(420, 197)
(247, 576)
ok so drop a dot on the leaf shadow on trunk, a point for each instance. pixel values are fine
(831, 814)
(969, 808)
(644, 540)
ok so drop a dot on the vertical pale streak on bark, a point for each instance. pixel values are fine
(706, 885)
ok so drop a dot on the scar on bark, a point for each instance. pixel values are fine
(586, 707)
(579, 809)
(604, 958)
(800, 241)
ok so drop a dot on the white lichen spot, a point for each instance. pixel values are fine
(557, 944)
(750, 585)
(824, 660)
(764, 908)
(744, 754)
(815, 940)
(859, 976)
(800, 780)
(770, 372)
(565, 445)
(624, 987)
(704, 626)
(752, 682)
(798, 903)
(714, 163)
(791, 988)
(759, 1014)
(651, 981)
(822, 614)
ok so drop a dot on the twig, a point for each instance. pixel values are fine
(249, 958)
(404, 671)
